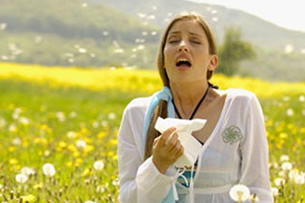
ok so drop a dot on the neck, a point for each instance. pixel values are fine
(187, 95)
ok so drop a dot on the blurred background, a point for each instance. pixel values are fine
(120, 33)
(69, 68)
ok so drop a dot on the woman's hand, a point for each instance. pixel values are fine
(166, 150)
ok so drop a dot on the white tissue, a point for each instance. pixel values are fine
(184, 129)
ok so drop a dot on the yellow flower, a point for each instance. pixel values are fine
(29, 198)
(13, 161)
(38, 186)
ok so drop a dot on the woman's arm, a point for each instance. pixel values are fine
(139, 181)
(254, 154)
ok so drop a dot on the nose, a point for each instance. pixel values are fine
(183, 46)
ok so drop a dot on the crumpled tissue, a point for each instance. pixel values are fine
(184, 129)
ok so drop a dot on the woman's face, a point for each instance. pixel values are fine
(186, 53)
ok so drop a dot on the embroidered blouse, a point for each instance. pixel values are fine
(236, 152)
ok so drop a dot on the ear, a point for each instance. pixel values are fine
(213, 62)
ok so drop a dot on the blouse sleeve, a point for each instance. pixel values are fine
(254, 154)
(139, 181)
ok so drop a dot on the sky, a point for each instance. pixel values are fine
(285, 13)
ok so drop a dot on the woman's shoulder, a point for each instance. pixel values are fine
(241, 96)
(138, 104)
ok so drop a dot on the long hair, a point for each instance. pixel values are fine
(161, 109)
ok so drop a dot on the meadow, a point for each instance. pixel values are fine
(58, 131)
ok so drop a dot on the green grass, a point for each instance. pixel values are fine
(95, 118)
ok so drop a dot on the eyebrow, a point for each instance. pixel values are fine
(178, 32)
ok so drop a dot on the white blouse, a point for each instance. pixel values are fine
(236, 152)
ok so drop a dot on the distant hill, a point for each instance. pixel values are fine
(95, 33)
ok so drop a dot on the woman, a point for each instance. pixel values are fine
(234, 145)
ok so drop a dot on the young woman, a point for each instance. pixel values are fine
(234, 144)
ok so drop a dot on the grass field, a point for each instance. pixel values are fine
(70, 118)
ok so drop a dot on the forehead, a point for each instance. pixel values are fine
(188, 26)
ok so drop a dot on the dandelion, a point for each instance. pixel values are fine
(144, 33)
(279, 181)
(275, 191)
(12, 128)
(81, 144)
(301, 98)
(95, 124)
(111, 116)
(89, 201)
(71, 134)
(21, 178)
(84, 5)
(3, 26)
(61, 116)
(98, 165)
(215, 19)
(299, 178)
(286, 98)
(115, 182)
(140, 47)
(286, 166)
(290, 112)
(99, 189)
(105, 33)
(284, 157)
(104, 123)
(24, 120)
(48, 170)
(27, 171)
(82, 50)
(73, 114)
(2, 122)
(17, 141)
(239, 193)
(288, 48)
(28, 198)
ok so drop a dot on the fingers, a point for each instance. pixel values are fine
(166, 134)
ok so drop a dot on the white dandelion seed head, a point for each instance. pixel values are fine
(239, 192)
(286, 166)
(12, 128)
(98, 165)
(279, 181)
(301, 98)
(100, 189)
(24, 120)
(286, 98)
(116, 182)
(2, 122)
(81, 144)
(84, 5)
(299, 179)
(27, 171)
(282, 173)
(61, 116)
(290, 112)
(89, 201)
(82, 50)
(111, 116)
(71, 134)
(288, 48)
(3, 26)
(275, 191)
(104, 123)
(16, 141)
(95, 124)
(73, 114)
(47, 153)
(21, 178)
(284, 158)
(48, 170)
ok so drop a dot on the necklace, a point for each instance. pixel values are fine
(197, 107)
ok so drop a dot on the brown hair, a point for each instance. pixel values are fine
(161, 109)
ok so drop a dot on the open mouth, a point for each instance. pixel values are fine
(183, 63)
